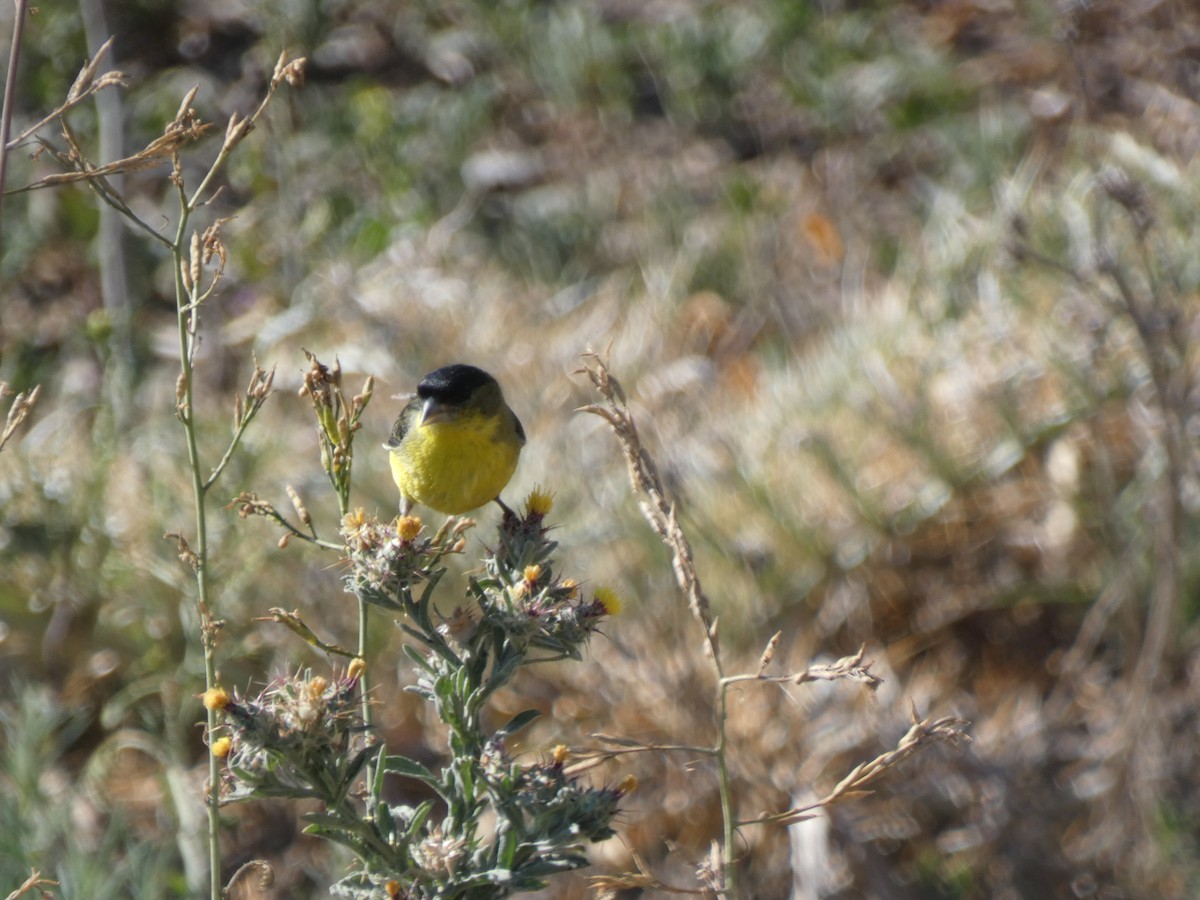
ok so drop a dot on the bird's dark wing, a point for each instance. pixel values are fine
(520, 429)
(407, 418)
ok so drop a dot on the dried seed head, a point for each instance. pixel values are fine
(460, 627)
(214, 245)
(261, 383)
(302, 510)
(185, 108)
(195, 259)
(291, 71)
(361, 399)
(769, 652)
(187, 556)
(237, 129)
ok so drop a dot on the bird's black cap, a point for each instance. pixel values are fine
(453, 384)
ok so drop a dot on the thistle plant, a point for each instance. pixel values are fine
(498, 825)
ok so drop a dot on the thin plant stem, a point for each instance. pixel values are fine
(364, 684)
(189, 295)
(110, 238)
(661, 513)
(186, 323)
(728, 813)
(364, 620)
(10, 90)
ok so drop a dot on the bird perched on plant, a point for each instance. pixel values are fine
(455, 445)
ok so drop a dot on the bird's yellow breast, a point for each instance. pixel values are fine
(457, 465)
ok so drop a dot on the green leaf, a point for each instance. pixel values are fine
(352, 769)
(506, 849)
(328, 821)
(383, 601)
(517, 722)
(418, 658)
(553, 865)
(419, 817)
(410, 768)
(339, 837)
(332, 828)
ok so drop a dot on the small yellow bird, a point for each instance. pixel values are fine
(455, 445)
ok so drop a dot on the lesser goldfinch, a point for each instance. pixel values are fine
(455, 445)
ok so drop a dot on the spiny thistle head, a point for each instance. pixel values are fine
(388, 558)
(276, 736)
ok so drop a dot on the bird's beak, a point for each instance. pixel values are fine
(433, 412)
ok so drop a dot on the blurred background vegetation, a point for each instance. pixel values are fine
(902, 294)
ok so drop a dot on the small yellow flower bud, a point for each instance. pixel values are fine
(532, 574)
(356, 669)
(408, 527)
(539, 502)
(221, 746)
(628, 784)
(215, 698)
(560, 753)
(610, 600)
(569, 587)
(392, 888)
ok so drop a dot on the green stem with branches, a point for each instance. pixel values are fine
(189, 258)
(185, 311)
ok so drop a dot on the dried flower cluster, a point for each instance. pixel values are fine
(337, 420)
